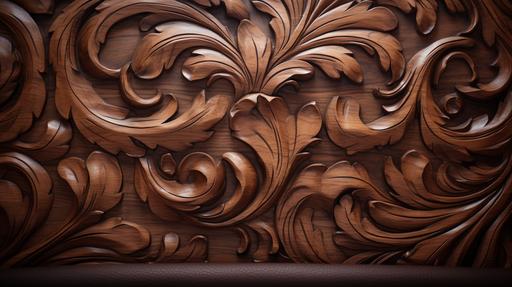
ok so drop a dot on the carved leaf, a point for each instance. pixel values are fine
(110, 240)
(180, 194)
(158, 51)
(9, 65)
(24, 210)
(334, 60)
(213, 65)
(266, 242)
(17, 118)
(313, 192)
(234, 8)
(95, 118)
(495, 20)
(94, 32)
(426, 12)
(255, 49)
(429, 224)
(195, 250)
(420, 222)
(346, 129)
(313, 30)
(46, 140)
(264, 123)
(36, 6)
(96, 183)
(278, 139)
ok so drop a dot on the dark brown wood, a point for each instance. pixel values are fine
(372, 132)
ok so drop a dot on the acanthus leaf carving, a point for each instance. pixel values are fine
(95, 118)
(336, 214)
(429, 222)
(17, 117)
(172, 250)
(95, 184)
(37, 6)
(260, 235)
(346, 129)
(47, 139)
(427, 219)
(315, 32)
(426, 11)
(105, 241)
(84, 236)
(234, 8)
(252, 65)
(25, 211)
(277, 137)
(495, 19)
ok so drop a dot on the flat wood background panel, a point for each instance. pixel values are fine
(308, 237)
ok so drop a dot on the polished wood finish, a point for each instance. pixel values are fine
(308, 131)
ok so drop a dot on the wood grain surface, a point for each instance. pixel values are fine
(372, 132)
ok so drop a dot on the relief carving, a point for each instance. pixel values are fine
(268, 185)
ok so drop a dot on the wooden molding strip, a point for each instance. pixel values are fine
(265, 274)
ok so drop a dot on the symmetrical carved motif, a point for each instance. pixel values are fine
(449, 201)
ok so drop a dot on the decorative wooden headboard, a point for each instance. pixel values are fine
(319, 131)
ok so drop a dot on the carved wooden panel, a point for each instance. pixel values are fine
(266, 130)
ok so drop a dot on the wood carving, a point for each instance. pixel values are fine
(95, 184)
(455, 216)
(95, 118)
(28, 48)
(277, 137)
(475, 135)
(247, 171)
